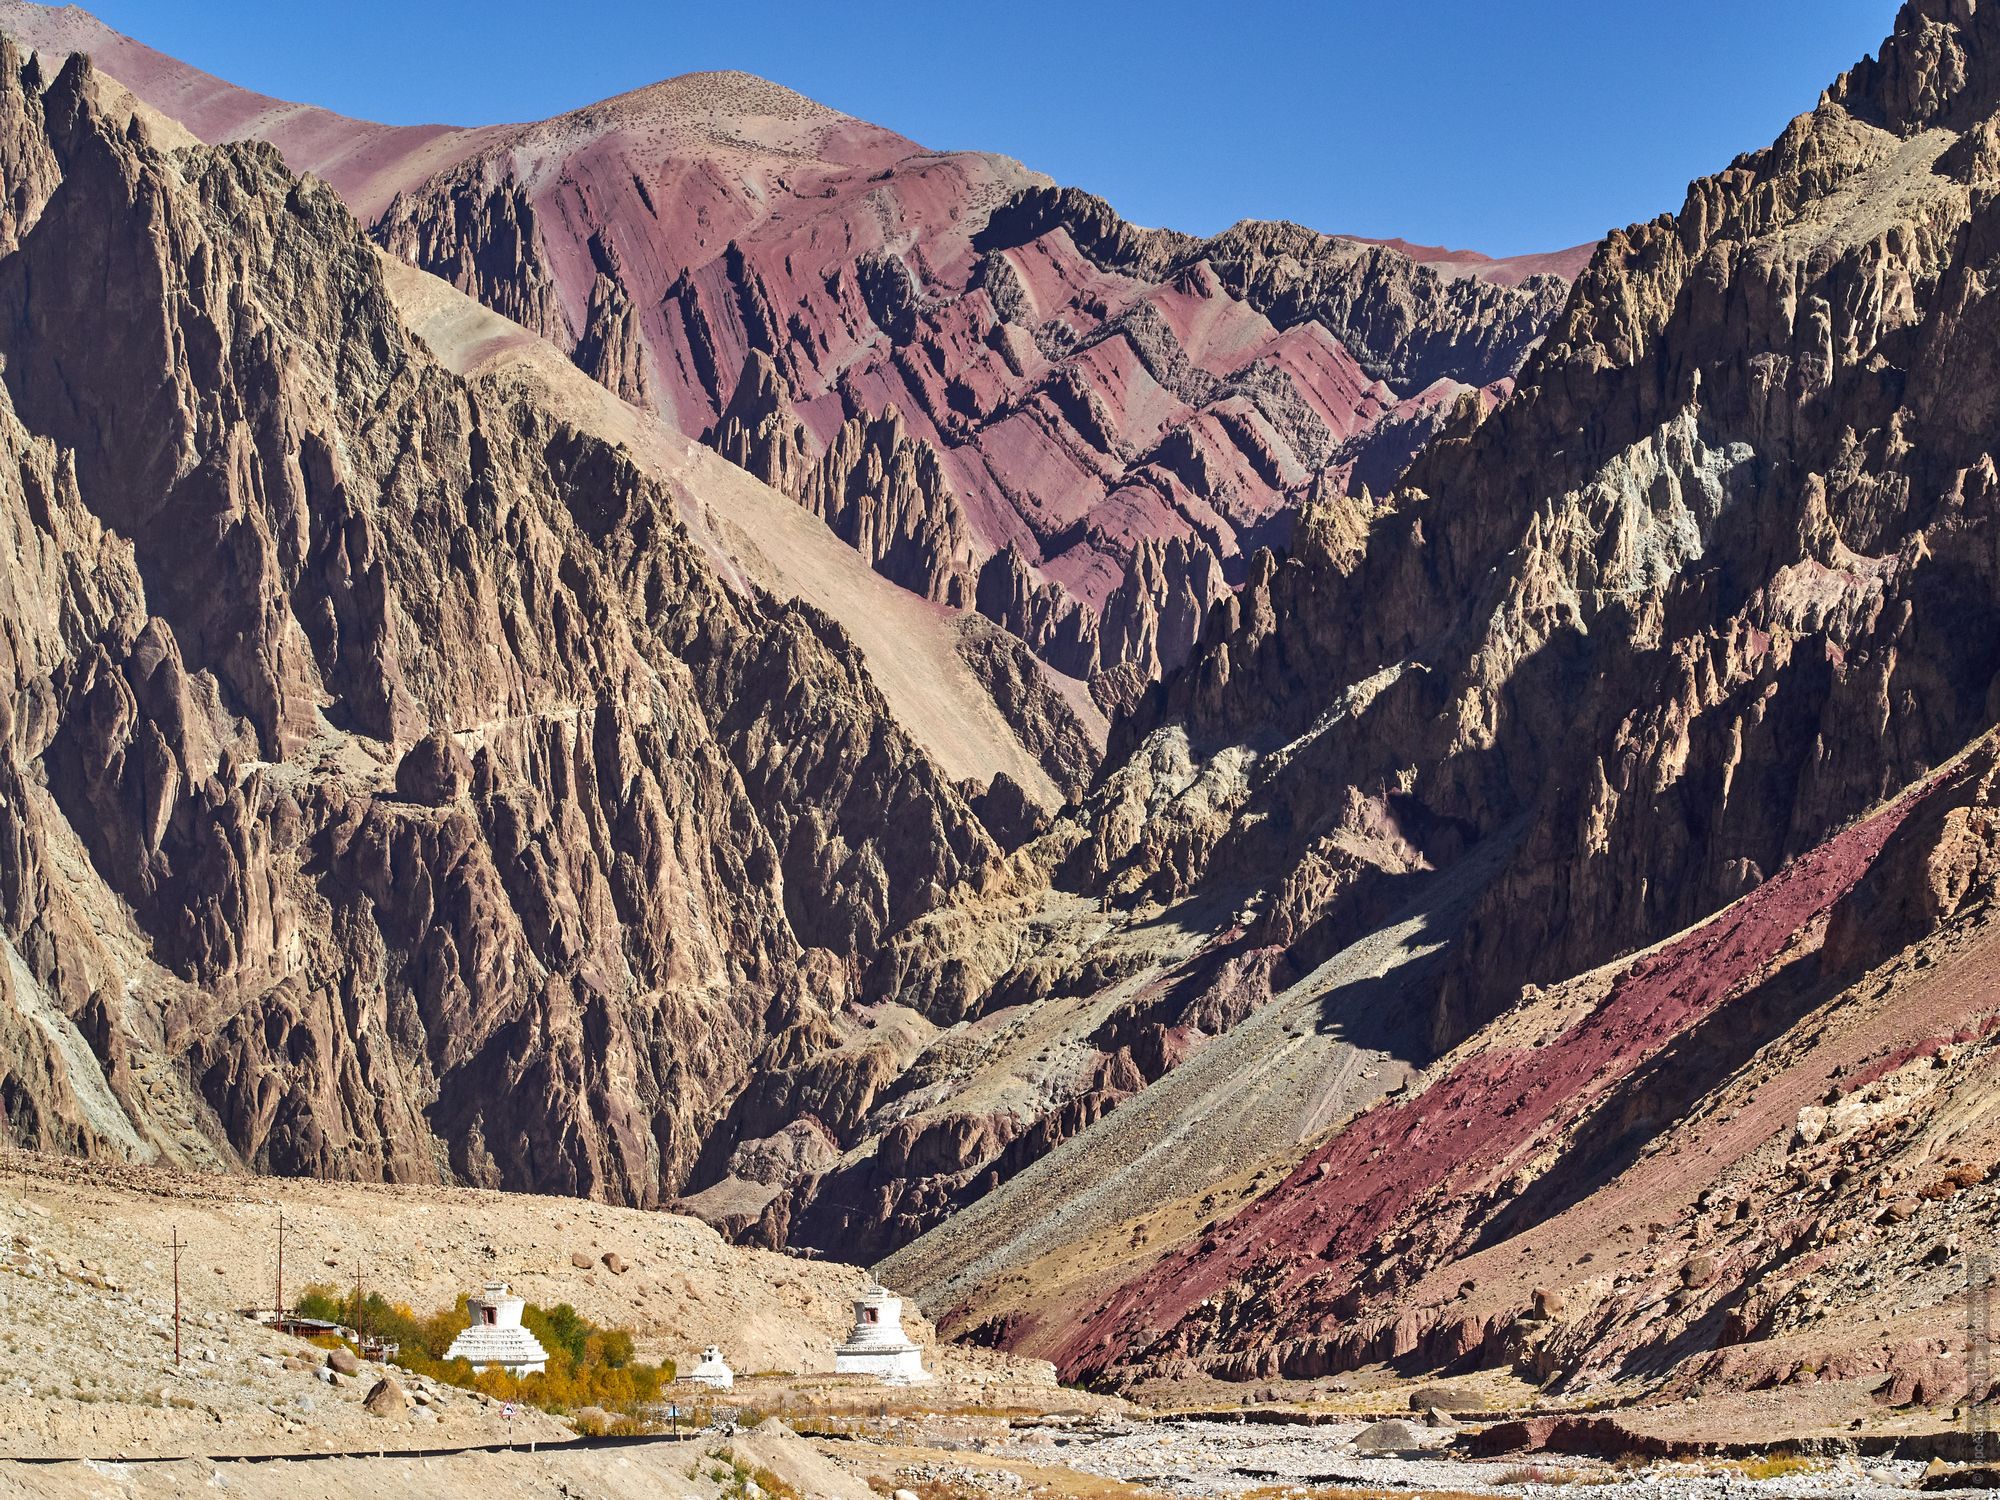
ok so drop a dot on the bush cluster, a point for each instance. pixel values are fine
(589, 1365)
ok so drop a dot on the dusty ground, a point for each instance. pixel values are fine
(692, 1469)
(86, 1306)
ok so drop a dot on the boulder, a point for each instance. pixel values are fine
(385, 1399)
(1425, 1397)
(1392, 1436)
(343, 1362)
(615, 1263)
(580, 1260)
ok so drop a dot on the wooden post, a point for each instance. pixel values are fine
(360, 1333)
(281, 1264)
(174, 1240)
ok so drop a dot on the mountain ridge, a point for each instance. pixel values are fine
(1706, 605)
(1067, 449)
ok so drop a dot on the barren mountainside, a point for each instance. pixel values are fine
(501, 683)
(1002, 394)
(476, 830)
(1675, 627)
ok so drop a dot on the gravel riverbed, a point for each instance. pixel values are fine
(1204, 1459)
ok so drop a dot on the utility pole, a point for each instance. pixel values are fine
(360, 1333)
(174, 1241)
(281, 1265)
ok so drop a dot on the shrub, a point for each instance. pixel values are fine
(589, 1365)
(1773, 1466)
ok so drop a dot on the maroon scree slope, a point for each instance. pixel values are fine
(1001, 393)
(1295, 1248)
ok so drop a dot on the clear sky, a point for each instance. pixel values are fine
(1504, 125)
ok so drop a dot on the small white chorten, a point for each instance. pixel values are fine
(495, 1338)
(712, 1371)
(878, 1346)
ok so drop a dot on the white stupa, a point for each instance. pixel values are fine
(495, 1338)
(712, 1371)
(878, 1345)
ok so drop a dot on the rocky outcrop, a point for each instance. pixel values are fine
(381, 756)
(1406, 323)
(877, 488)
(885, 494)
(1057, 731)
(1056, 628)
(1374, 459)
(485, 238)
(610, 350)
(759, 432)
(1154, 617)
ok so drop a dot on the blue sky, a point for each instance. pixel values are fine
(1505, 125)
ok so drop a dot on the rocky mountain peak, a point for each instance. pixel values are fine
(1938, 69)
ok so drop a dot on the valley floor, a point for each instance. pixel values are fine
(946, 1457)
(92, 1403)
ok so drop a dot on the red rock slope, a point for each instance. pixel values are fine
(1749, 1159)
(1290, 1263)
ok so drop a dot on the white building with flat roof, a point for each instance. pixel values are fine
(877, 1345)
(495, 1338)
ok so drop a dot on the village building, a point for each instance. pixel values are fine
(495, 1338)
(877, 1345)
(712, 1371)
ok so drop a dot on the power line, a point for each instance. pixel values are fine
(177, 1245)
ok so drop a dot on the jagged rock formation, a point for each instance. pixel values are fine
(491, 246)
(1715, 581)
(381, 754)
(877, 488)
(609, 350)
(759, 432)
(1154, 615)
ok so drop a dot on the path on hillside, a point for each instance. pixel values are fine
(1322, 1049)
